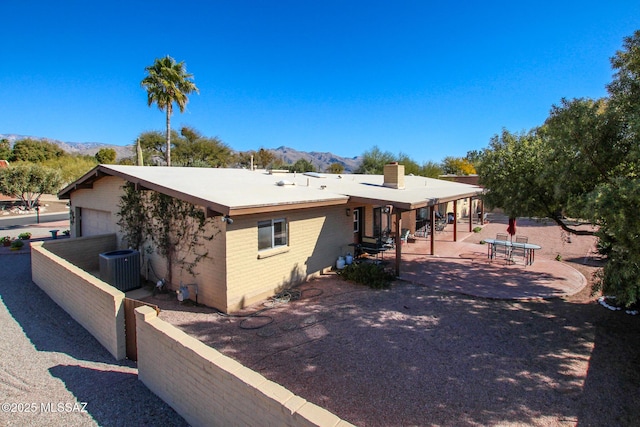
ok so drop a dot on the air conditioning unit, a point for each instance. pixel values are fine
(121, 269)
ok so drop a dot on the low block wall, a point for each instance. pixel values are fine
(83, 251)
(98, 307)
(208, 388)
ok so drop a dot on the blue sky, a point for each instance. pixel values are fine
(429, 79)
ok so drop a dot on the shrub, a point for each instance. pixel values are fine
(366, 273)
(477, 229)
(17, 244)
(24, 236)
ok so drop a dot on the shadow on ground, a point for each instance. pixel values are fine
(413, 355)
(111, 388)
(135, 404)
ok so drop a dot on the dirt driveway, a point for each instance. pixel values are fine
(420, 355)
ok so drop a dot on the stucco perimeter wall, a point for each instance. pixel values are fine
(94, 304)
(208, 388)
(316, 237)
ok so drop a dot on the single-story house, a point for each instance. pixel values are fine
(275, 228)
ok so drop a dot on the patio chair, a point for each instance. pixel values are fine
(422, 231)
(405, 235)
(387, 239)
(502, 249)
(520, 251)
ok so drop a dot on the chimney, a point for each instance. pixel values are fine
(394, 175)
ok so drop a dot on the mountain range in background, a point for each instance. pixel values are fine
(321, 161)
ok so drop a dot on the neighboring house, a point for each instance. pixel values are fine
(285, 227)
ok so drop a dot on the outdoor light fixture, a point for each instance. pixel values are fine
(227, 219)
(348, 212)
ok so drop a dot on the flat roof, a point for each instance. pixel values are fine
(242, 191)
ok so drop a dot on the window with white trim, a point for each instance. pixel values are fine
(272, 234)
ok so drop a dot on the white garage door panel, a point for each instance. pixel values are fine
(96, 222)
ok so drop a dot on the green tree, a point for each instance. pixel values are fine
(583, 150)
(195, 150)
(302, 165)
(154, 146)
(410, 165)
(373, 161)
(71, 166)
(614, 202)
(106, 156)
(5, 149)
(166, 83)
(263, 158)
(512, 169)
(28, 182)
(335, 168)
(431, 169)
(33, 150)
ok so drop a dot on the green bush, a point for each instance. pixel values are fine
(366, 273)
(477, 229)
(17, 244)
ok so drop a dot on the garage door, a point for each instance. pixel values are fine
(96, 222)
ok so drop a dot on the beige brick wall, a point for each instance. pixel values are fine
(316, 238)
(83, 252)
(210, 275)
(94, 304)
(208, 388)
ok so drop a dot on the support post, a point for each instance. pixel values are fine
(472, 213)
(455, 220)
(432, 215)
(398, 213)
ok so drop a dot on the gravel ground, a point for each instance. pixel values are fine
(417, 355)
(50, 366)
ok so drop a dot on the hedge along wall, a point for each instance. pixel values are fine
(208, 388)
(94, 304)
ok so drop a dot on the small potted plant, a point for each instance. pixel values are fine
(6, 240)
(66, 233)
(24, 236)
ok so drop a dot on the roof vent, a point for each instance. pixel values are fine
(394, 175)
(284, 182)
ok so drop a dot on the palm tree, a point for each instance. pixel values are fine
(168, 82)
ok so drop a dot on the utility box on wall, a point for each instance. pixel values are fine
(121, 269)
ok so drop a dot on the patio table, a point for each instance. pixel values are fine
(529, 249)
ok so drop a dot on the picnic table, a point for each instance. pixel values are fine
(528, 249)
